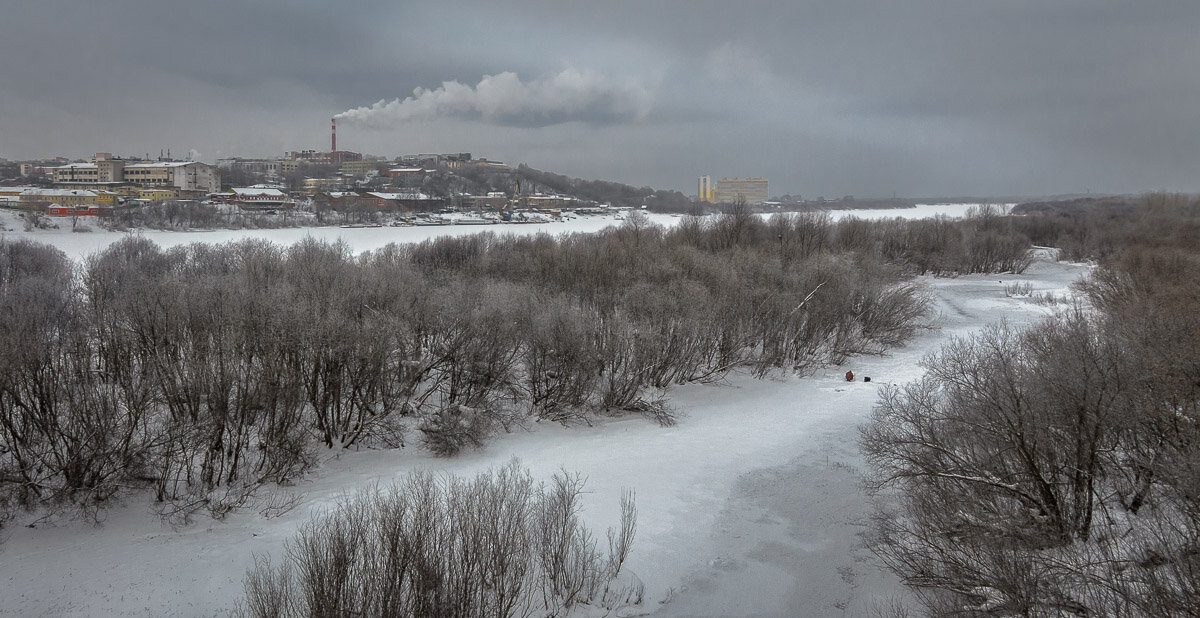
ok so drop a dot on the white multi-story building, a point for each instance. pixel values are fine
(749, 190)
(183, 175)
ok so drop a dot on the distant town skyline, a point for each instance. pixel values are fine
(920, 98)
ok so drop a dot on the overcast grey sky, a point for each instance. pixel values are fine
(913, 97)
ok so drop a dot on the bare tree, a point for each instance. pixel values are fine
(496, 545)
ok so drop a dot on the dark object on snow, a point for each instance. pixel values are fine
(849, 376)
(867, 379)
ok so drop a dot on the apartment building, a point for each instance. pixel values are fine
(705, 191)
(750, 190)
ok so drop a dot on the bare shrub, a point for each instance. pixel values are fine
(66, 437)
(561, 363)
(889, 315)
(620, 541)
(656, 408)
(1037, 473)
(448, 430)
(1050, 298)
(268, 591)
(494, 546)
(565, 551)
(1018, 288)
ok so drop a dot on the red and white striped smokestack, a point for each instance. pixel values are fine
(333, 135)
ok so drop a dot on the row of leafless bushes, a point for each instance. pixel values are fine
(985, 241)
(1056, 471)
(497, 545)
(204, 371)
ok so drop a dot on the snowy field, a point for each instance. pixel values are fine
(748, 506)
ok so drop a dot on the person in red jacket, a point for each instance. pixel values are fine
(849, 376)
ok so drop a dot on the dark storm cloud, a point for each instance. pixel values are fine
(869, 98)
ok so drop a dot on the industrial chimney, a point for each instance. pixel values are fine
(333, 138)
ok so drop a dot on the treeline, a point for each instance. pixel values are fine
(190, 215)
(1102, 228)
(599, 191)
(202, 371)
(1056, 471)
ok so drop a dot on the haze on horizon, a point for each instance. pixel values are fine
(919, 98)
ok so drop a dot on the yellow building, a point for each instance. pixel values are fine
(120, 188)
(11, 196)
(13, 191)
(358, 168)
(313, 185)
(103, 170)
(157, 194)
(98, 170)
(77, 172)
(705, 189)
(67, 197)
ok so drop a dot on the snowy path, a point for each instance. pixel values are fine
(785, 540)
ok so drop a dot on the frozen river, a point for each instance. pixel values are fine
(77, 245)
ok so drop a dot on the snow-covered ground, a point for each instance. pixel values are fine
(920, 211)
(82, 244)
(748, 506)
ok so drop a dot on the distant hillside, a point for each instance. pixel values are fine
(478, 180)
(603, 191)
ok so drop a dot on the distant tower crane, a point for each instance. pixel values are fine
(515, 201)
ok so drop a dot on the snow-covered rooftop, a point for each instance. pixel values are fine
(258, 191)
(60, 192)
(161, 164)
(399, 196)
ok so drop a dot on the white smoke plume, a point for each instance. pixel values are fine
(571, 95)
